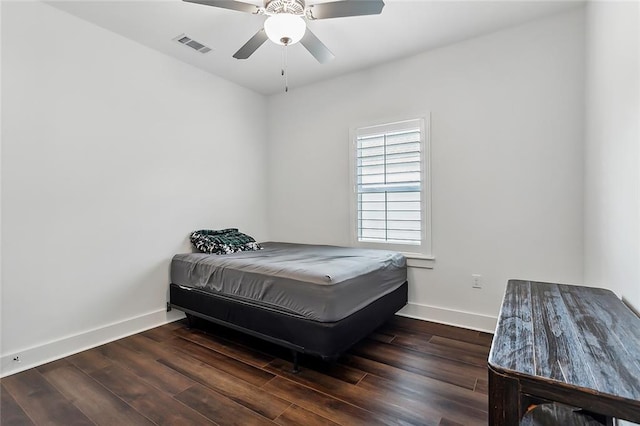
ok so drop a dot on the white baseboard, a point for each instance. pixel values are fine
(462, 319)
(51, 351)
(54, 350)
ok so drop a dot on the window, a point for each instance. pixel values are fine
(391, 202)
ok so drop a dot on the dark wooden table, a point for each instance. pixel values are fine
(574, 345)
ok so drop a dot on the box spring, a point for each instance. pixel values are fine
(324, 339)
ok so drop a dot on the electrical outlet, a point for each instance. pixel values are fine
(476, 281)
(16, 359)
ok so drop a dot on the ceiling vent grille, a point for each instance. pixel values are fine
(188, 41)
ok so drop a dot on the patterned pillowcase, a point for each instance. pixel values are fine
(223, 241)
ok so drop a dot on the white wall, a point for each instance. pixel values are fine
(507, 161)
(111, 154)
(612, 156)
(1, 351)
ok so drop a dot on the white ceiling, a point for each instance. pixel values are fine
(404, 28)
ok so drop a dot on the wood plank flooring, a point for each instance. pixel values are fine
(408, 372)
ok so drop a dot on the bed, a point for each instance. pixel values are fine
(312, 299)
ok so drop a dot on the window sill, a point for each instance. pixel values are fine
(418, 260)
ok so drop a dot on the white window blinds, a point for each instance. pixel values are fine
(389, 183)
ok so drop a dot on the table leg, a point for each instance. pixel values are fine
(504, 400)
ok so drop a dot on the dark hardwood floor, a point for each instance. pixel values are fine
(409, 372)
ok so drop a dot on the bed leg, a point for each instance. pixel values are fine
(190, 321)
(296, 370)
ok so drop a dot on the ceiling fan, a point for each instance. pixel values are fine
(286, 24)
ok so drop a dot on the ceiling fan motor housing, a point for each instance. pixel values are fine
(293, 7)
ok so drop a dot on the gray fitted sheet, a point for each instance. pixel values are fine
(320, 283)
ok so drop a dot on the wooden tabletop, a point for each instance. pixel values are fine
(580, 338)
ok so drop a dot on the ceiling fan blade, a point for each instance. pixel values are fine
(316, 47)
(228, 4)
(339, 9)
(252, 45)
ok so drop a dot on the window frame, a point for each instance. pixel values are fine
(417, 251)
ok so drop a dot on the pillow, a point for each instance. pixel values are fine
(223, 241)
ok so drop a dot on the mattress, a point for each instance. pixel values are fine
(315, 282)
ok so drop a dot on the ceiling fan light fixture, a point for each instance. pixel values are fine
(285, 28)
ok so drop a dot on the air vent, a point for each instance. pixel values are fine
(188, 41)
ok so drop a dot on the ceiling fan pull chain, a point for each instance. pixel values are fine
(286, 71)
(284, 67)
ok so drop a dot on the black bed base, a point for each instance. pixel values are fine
(324, 339)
